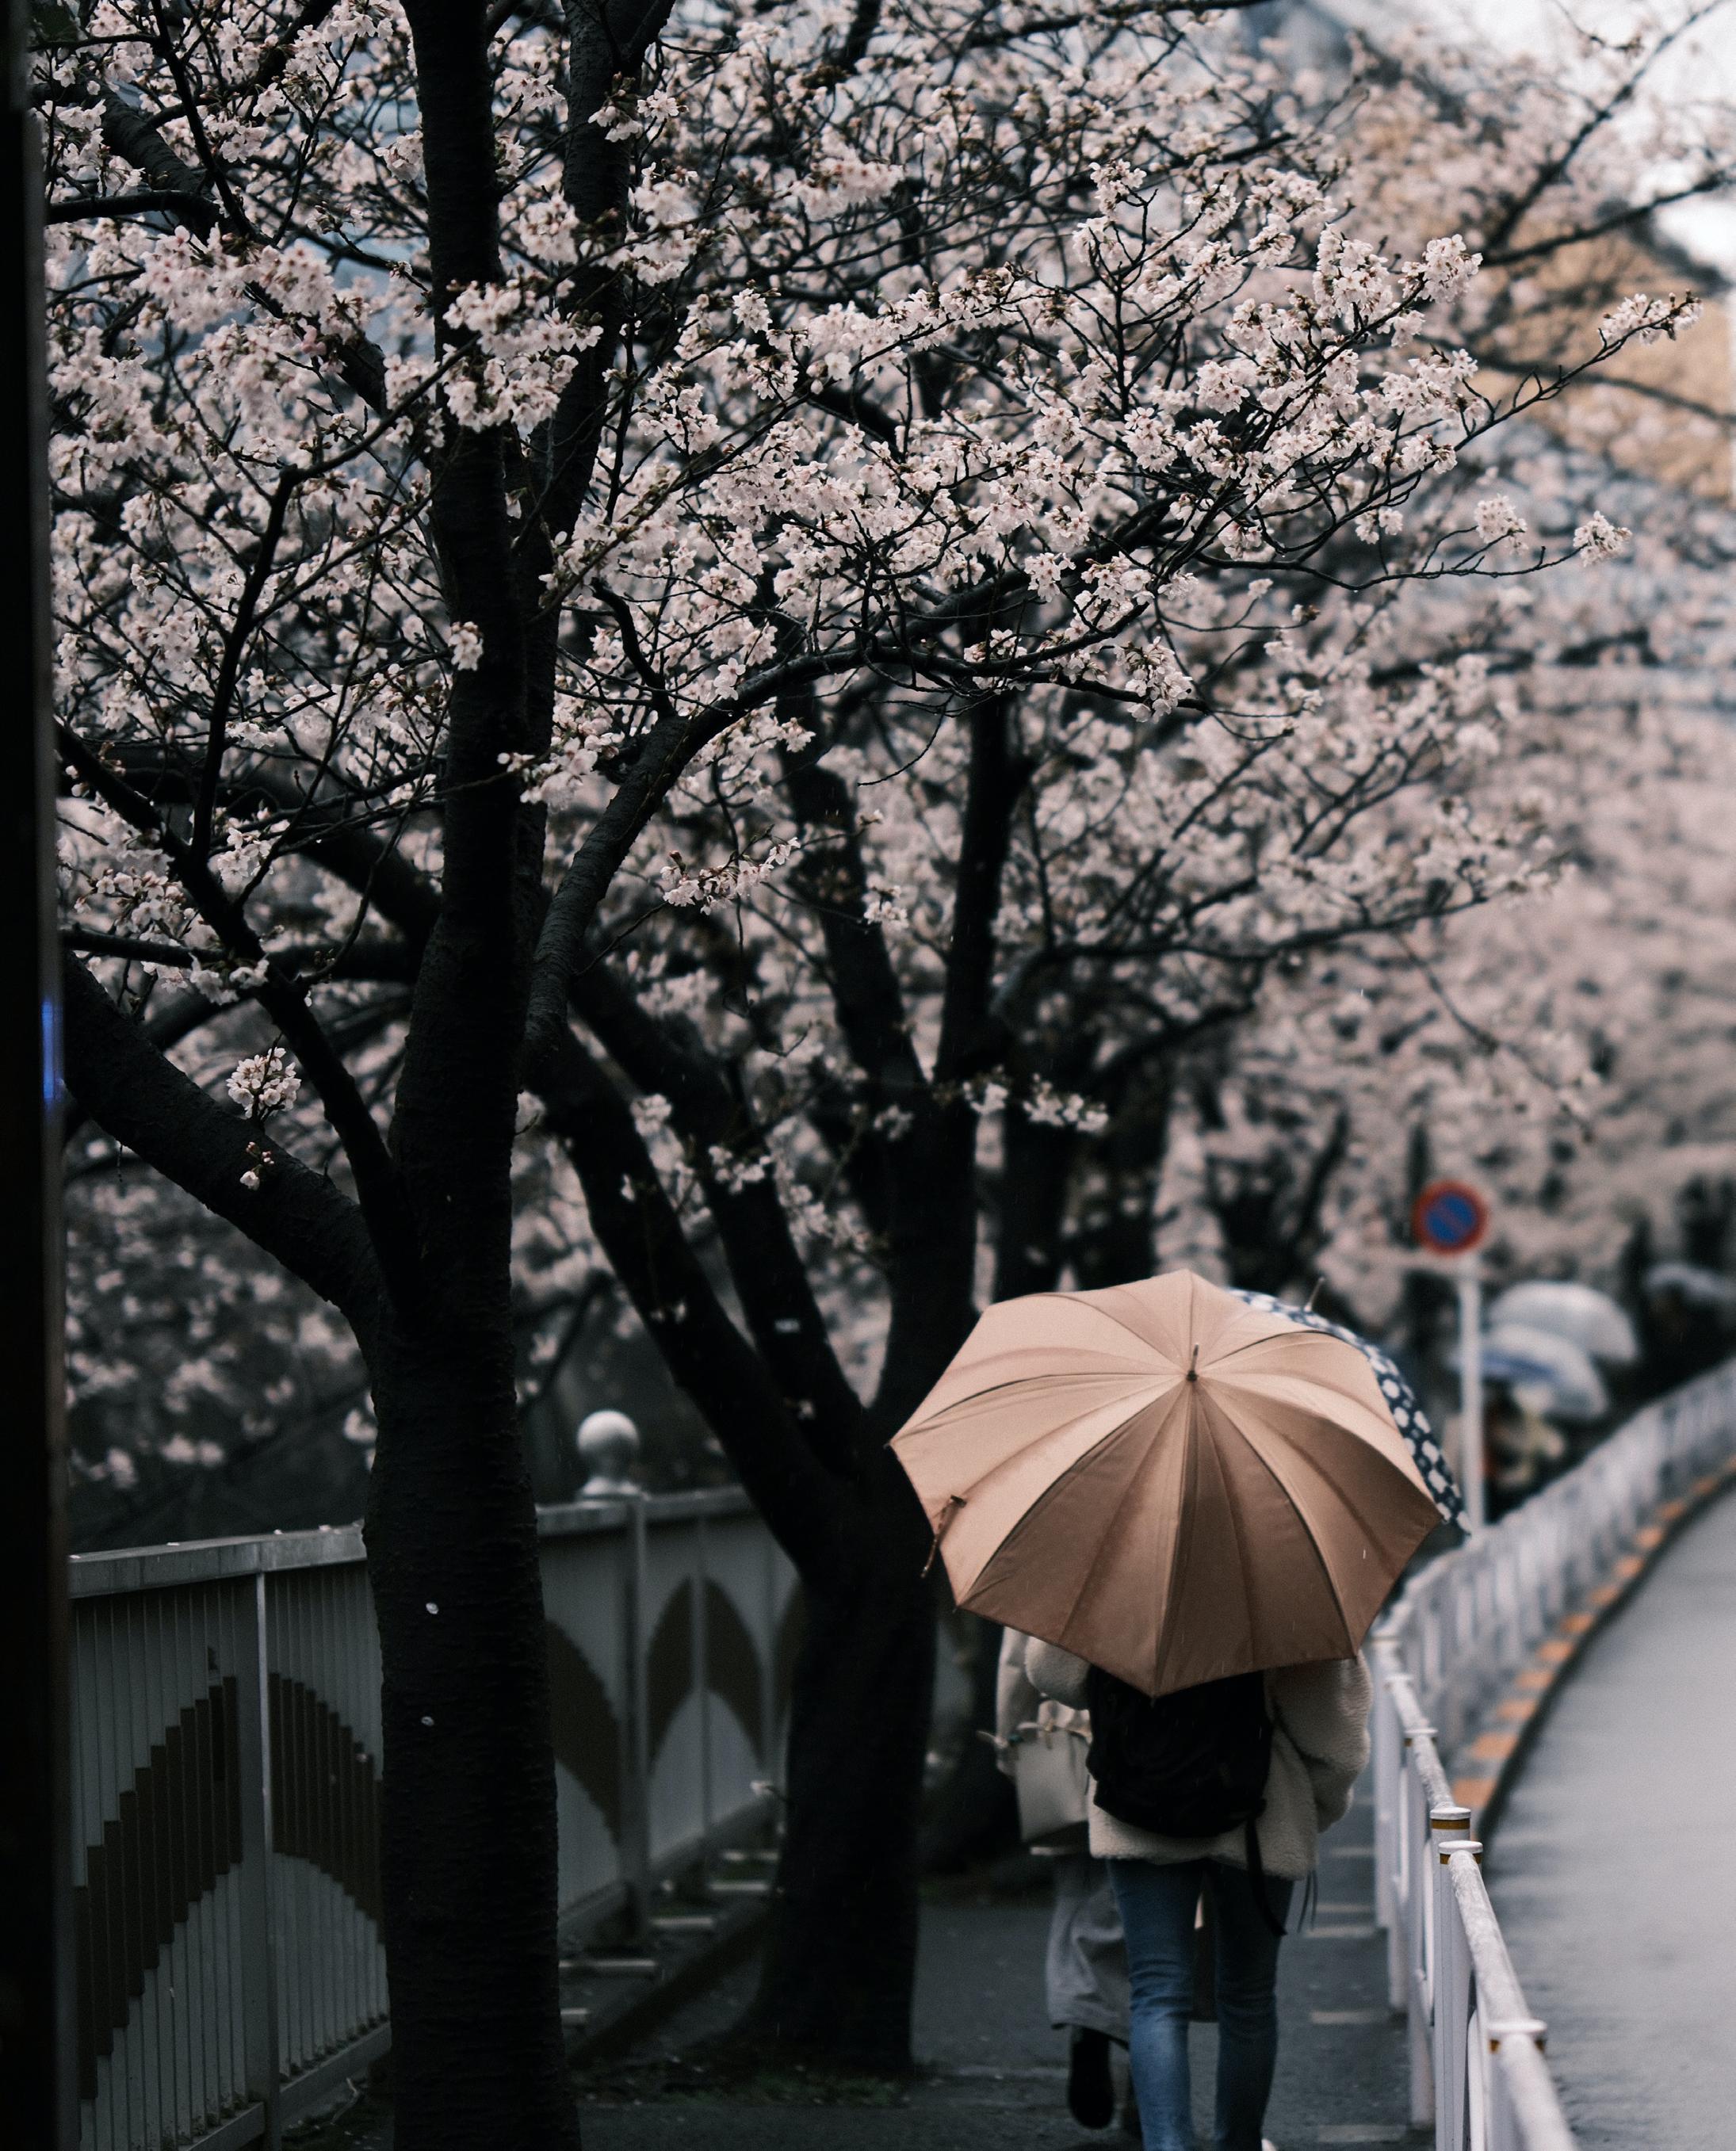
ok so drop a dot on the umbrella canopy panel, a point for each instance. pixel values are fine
(1517, 1352)
(1400, 1399)
(1169, 1482)
(1591, 1319)
(1690, 1281)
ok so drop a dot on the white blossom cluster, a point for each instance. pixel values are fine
(264, 1083)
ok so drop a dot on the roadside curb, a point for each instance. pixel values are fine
(1489, 1762)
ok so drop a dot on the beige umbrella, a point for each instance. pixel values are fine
(1169, 1482)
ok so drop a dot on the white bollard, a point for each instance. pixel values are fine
(608, 1446)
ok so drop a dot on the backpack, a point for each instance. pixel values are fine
(1190, 1764)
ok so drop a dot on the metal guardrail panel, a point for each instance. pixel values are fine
(587, 1582)
(159, 1684)
(750, 1644)
(674, 1607)
(323, 1678)
(226, 1712)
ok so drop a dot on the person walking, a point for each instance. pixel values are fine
(1085, 1965)
(1315, 1744)
(1200, 1499)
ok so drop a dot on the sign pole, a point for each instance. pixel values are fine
(1471, 1391)
(1450, 1218)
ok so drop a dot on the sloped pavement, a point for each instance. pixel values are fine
(1614, 1869)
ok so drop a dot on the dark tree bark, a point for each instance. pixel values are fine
(420, 1263)
(468, 1855)
(467, 1838)
(973, 1814)
(1272, 1214)
(1037, 1167)
(840, 1960)
(1116, 1241)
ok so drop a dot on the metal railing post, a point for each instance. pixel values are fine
(1419, 1954)
(702, 1679)
(1478, 2134)
(1506, 2131)
(1387, 1823)
(771, 1712)
(1450, 1983)
(261, 1939)
(636, 1818)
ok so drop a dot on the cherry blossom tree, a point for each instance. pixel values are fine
(757, 629)
(1568, 1049)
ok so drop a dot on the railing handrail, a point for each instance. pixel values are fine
(1531, 2097)
(207, 1561)
(1472, 1619)
(1500, 1997)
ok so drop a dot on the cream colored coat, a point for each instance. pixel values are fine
(1319, 1744)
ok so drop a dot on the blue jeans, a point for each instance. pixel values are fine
(1157, 1906)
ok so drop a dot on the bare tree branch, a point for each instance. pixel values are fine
(197, 214)
(649, 1251)
(734, 1168)
(284, 1001)
(131, 1087)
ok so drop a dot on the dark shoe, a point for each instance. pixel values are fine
(1090, 2095)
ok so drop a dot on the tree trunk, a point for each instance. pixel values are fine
(841, 1956)
(467, 1821)
(972, 1813)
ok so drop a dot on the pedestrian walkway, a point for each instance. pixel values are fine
(1613, 1871)
(995, 2073)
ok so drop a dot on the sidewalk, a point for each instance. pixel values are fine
(995, 2073)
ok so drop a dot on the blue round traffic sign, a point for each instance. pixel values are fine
(1450, 1216)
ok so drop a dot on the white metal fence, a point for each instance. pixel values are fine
(1461, 1631)
(226, 1785)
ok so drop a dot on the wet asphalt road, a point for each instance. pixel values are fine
(1614, 1868)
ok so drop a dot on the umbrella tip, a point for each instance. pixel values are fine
(954, 1503)
(1193, 1365)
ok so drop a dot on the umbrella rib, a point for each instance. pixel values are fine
(1133, 1376)
(1192, 1408)
(1012, 1463)
(1291, 1329)
(1097, 1307)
